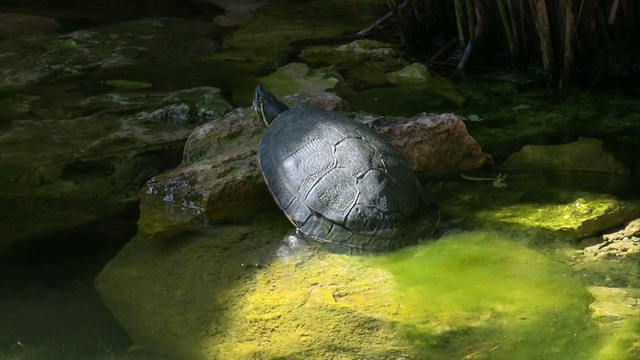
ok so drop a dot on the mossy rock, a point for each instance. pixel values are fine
(236, 292)
(586, 154)
(537, 202)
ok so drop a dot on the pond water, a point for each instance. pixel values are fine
(494, 283)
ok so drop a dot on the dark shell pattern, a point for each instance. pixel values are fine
(338, 180)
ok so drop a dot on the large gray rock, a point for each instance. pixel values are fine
(278, 24)
(219, 179)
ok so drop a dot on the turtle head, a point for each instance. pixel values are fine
(267, 106)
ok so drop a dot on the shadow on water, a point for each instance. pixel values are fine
(77, 14)
(48, 305)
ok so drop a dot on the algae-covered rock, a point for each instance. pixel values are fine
(138, 43)
(366, 61)
(540, 202)
(616, 312)
(418, 76)
(349, 55)
(279, 24)
(81, 168)
(584, 215)
(583, 155)
(237, 293)
(415, 74)
(298, 78)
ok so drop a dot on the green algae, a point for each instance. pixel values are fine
(69, 44)
(621, 341)
(482, 295)
(569, 204)
(572, 217)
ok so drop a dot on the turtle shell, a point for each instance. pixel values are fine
(338, 180)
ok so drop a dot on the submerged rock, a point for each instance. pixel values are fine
(277, 25)
(22, 24)
(298, 78)
(138, 43)
(620, 244)
(583, 155)
(539, 202)
(417, 76)
(90, 162)
(616, 314)
(350, 55)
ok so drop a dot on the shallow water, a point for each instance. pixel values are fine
(489, 294)
(476, 292)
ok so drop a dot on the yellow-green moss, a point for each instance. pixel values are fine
(482, 295)
(550, 216)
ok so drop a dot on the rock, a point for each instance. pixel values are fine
(236, 12)
(278, 24)
(631, 230)
(298, 78)
(417, 76)
(620, 244)
(349, 55)
(537, 203)
(22, 24)
(236, 292)
(138, 43)
(583, 155)
(219, 179)
(614, 303)
(616, 314)
(90, 162)
(434, 144)
(364, 60)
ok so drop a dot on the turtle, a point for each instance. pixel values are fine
(336, 179)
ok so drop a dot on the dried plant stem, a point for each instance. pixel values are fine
(567, 37)
(471, 19)
(459, 21)
(614, 10)
(568, 42)
(542, 23)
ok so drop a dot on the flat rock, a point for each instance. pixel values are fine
(237, 292)
(585, 154)
(68, 171)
